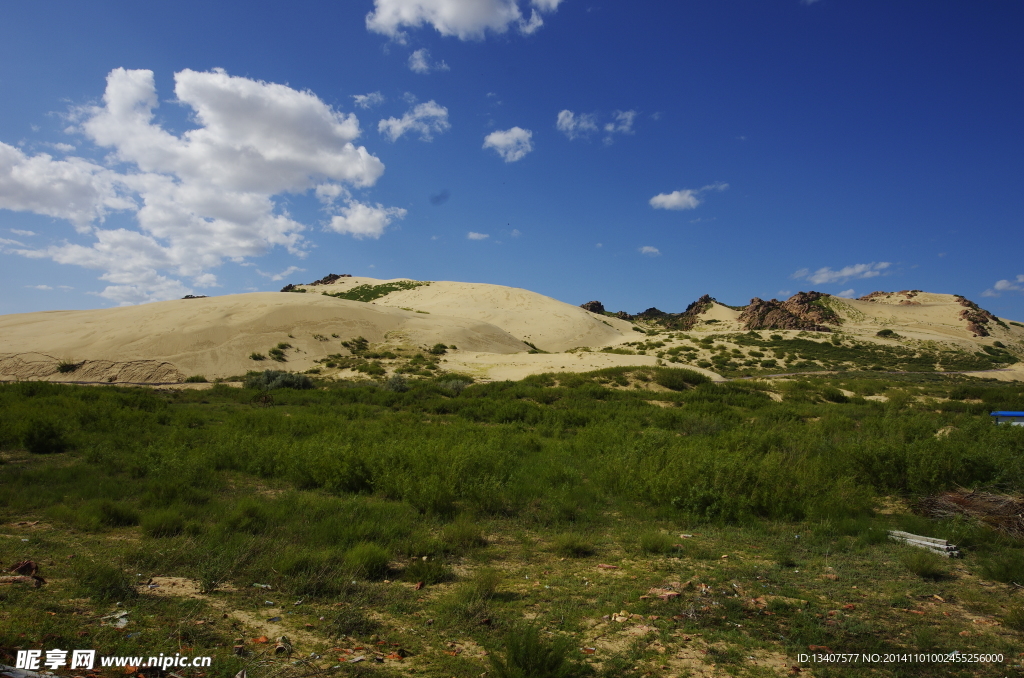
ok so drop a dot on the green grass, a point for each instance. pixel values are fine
(514, 492)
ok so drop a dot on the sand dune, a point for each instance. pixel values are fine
(215, 337)
(547, 323)
(169, 340)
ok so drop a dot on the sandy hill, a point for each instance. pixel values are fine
(547, 323)
(500, 332)
(170, 340)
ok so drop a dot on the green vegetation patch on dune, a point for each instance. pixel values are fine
(368, 293)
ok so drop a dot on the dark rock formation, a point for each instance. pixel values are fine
(622, 315)
(194, 296)
(290, 287)
(593, 307)
(976, 316)
(800, 312)
(330, 278)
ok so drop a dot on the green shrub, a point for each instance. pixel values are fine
(429, 571)
(257, 356)
(527, 655)
(116, 514)
(1006, 566)
(924, 564)
(572, 545)
(353, 622)
(196, 379)
(678, 379)
(104, 582)
(271, 379)
(438, 349)
(396, 383)
(656, 543)
(887, 333)
(43, 436)
(66, 366)
(368, 560)
(1014, 618)
(165, 523)
(463, 534)
(277, 354)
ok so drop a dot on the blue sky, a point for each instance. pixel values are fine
(638, 153)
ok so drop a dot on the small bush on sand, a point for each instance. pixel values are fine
(65, 366)
(196, 379)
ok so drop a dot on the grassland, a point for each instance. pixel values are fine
(432, 522)
(761, 353)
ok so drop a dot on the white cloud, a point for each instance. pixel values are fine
(477, 236)
(283, 274)
(18, 231)
(650, 251)
(857, 271)
(368, 101)
(365, 221)
(73, 189)
(328, 193)
(465, 19)
(848, 294)
(685, 198)
(1015, 285)
(5, 241)
(63, 148)
(511, 144)
(199, 197)
(574, 126)
(423, 118)
(419, 62)
(516, 233)
(622, 124)
(39, 287)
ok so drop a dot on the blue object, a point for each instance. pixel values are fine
(1007, 417)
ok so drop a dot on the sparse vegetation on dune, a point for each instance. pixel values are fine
(368, 293)
(634, 516)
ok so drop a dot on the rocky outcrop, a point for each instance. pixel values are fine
(622, 315)
(330, 278)
(194, 296)
(977, 317)
(909, 294)
(802, 311)
(594, 307)
(291, 287)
